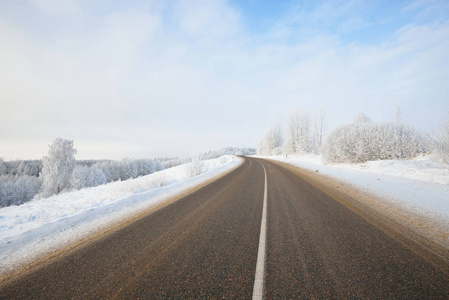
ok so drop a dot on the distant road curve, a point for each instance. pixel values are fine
(318, 243)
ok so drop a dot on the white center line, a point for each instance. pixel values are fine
(260, 266)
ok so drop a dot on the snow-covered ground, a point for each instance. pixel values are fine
(422, 168)
(415, 192)
(40, 226)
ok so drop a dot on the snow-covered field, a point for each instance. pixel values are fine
(40, 226)
(415, 192)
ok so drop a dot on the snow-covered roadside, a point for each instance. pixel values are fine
(400, 186)
(422, 168)
(41, 226)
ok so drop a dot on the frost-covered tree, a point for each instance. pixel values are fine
(361, 141)
(318, 129)
(441, 142)
(58, 167)
(124, 169)
(298, 133)
(271, 143)
(15, 190)
(128, 169)
(27, 187)
(95, 177)
(21, 167)
(108, 171)
(111, 169)
(226, 151)
(361, 118)
(398, 115)
(79, 176)
(8, 193)
(2, 167)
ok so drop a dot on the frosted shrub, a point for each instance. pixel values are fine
(363, 141)
(159, 179)
(223, 159)
(194, 168)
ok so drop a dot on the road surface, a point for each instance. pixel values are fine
(311, 242)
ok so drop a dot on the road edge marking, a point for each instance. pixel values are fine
(258, 290)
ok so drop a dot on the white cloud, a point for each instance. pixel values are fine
(428, 9)
(206, 18)
(187, 76)
(57, 7)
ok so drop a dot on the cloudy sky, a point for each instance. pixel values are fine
(162, 78)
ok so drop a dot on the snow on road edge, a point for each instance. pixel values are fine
(36, 228)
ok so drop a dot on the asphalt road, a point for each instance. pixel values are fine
(205, 245)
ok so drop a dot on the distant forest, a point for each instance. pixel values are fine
(23, 180)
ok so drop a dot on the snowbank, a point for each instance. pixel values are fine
(40, 226)
(422, 168)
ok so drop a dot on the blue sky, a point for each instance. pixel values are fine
(365, 22)
(162, 78)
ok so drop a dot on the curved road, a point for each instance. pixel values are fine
(318, 244)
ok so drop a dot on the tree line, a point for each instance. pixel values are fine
(303, 134)
(23, 180)
(358, 141)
